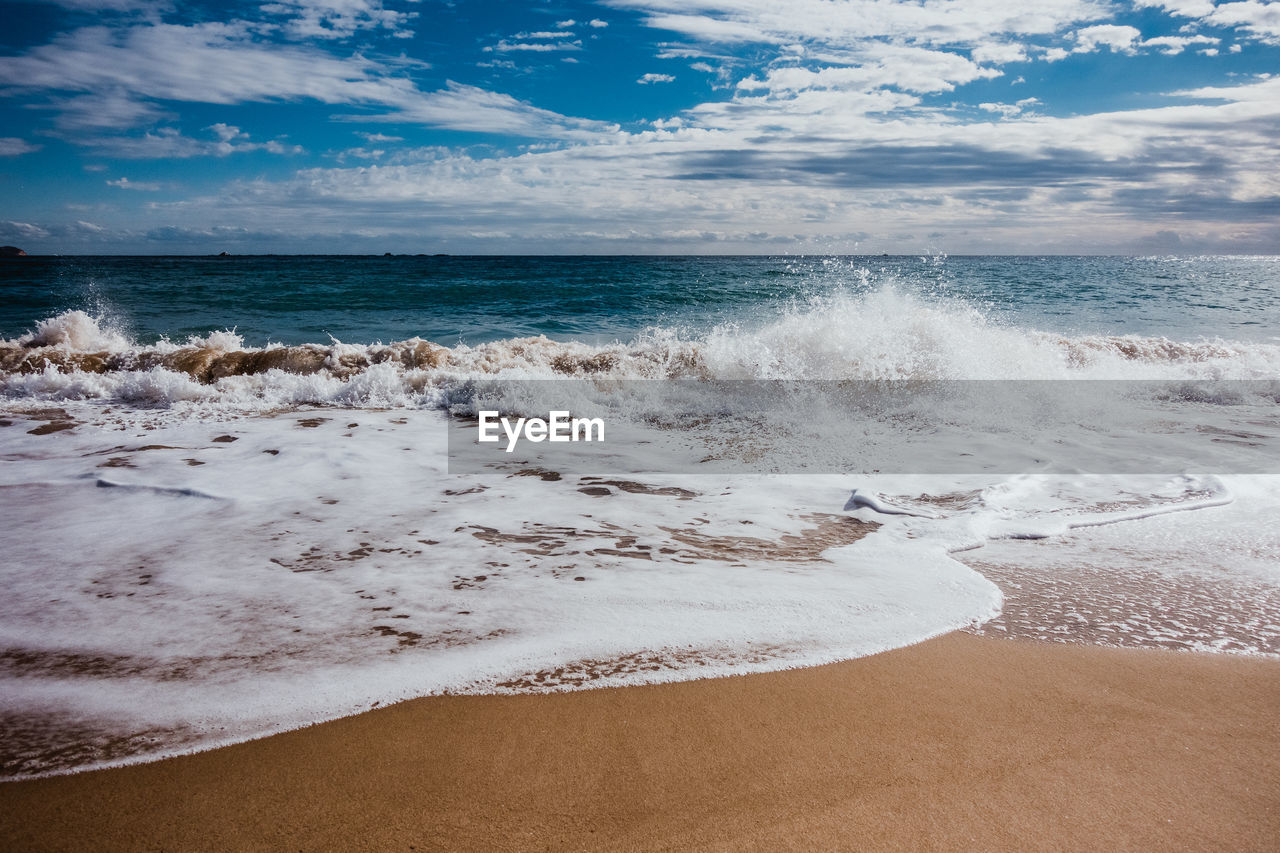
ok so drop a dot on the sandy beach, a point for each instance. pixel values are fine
(958, 742)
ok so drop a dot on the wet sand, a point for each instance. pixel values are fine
(962, 742)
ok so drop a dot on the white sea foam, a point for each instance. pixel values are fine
(1207, 580)
(75, 330)
(885, 334)
(263, 590)
(166, 582)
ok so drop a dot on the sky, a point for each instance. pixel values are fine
(641, 126)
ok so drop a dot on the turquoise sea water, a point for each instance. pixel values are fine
(450, 300)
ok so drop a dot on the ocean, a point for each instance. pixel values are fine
(475, 300)
(245, 494)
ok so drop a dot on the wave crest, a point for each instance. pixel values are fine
(879, 335)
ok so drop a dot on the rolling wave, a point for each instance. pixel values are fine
(883, 335)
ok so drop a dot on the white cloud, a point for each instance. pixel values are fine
(1119, 39)
(999, 53)
(832, 132)
(1184, 8)
(712, 29)
(11, 146)
(505, 46)
(854, 21)
(1259, 19)
(878, 65)
(1006, 110)
(10, 228)
(815, 164)
(1010, 110)
(226, 132)
(862, 46)
(337, 19)
(597, 23)
(170, 143)
(211, 63)
(1263, 91)
(124, 70)
(672, 51)
(126, 184)
(361, 153)
(462, 107)
(1173, 45)
(114, 5)
(808, 113)
(107, 110)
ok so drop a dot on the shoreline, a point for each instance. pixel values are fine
(959, 741)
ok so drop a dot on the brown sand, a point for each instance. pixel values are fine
(959, 743)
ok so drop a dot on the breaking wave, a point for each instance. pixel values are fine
(885, 334)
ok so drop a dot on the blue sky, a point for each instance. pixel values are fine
(621, 126)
